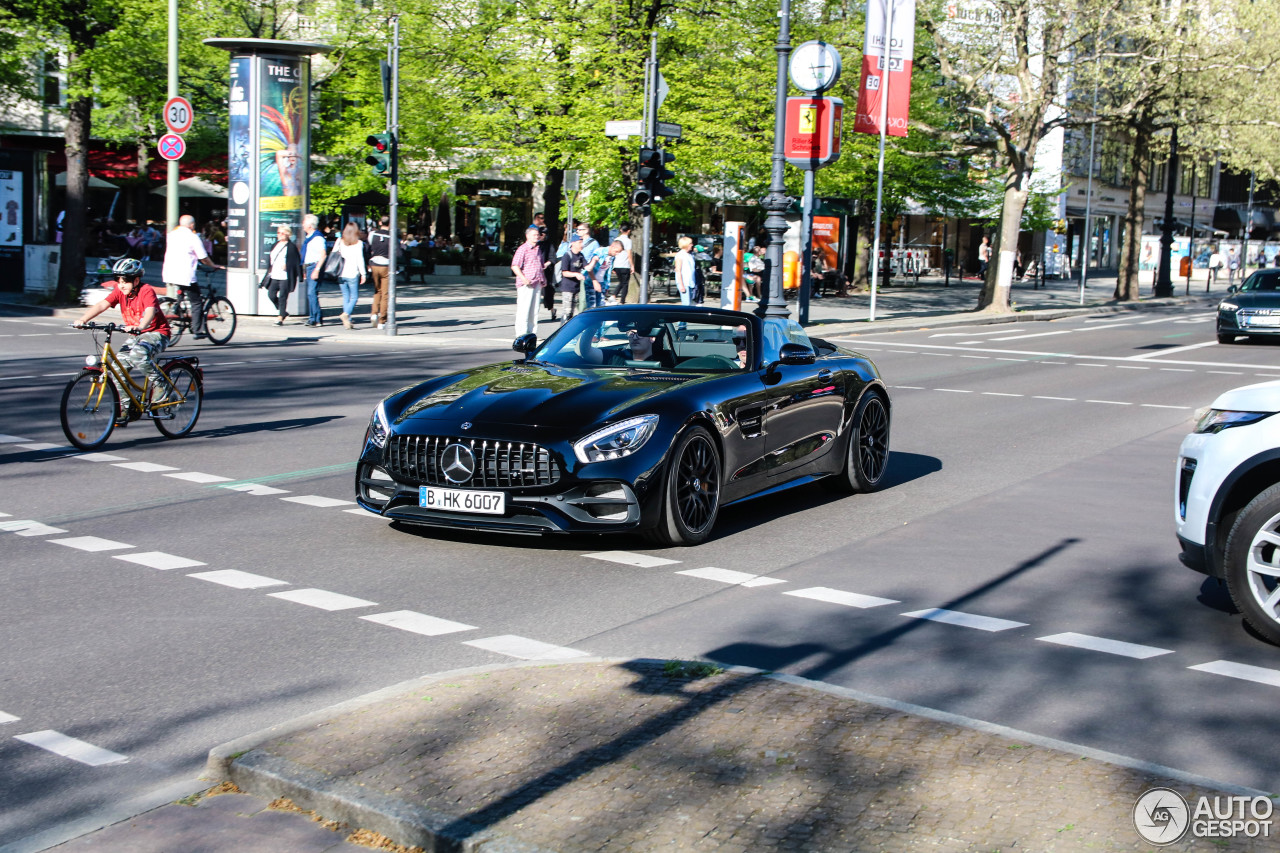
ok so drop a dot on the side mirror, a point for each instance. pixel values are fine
(794, 354)
(525, 344)
(1231, 289)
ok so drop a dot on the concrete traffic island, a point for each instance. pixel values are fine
(646, 755)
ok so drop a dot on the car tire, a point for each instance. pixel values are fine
(1252, 563)
(690, 491)
(1224, 338)
(866, 458)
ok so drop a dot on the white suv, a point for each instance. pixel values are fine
(1228, 500)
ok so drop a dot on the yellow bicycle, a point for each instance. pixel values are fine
(92, 405)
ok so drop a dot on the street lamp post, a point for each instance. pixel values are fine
(777, 202)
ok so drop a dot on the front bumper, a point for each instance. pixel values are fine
(1245, 321)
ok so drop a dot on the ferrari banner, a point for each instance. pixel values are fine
(900, 27)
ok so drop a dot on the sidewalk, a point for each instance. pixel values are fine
(458, 310)
(649, 755)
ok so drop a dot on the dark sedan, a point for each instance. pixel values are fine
(1251, 309)
(637, 417)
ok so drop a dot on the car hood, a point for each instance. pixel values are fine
(535, 395)
(1263, 397)
(1255, 299)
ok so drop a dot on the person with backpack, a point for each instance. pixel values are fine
(381, 257)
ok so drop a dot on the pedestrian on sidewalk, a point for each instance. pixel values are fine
(284, 271)
(183, 253)
(684, 271)
(599, 263)
(984, 257)
(380, 260)
(549, 261)
(1215, 264)
(313, 255)
(527, 265)
(1233, 265)
(624, 262)
(571, 277)
(351, 248)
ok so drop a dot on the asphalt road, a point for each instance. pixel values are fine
(1030, 497)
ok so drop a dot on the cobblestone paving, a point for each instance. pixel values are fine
(607, 757)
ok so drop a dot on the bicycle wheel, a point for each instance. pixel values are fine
(179, 419)
(90, 404)
(174, 316)
(219, 320)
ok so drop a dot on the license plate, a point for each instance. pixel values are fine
(462, 500)
(1264, 320)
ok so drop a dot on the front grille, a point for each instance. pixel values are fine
(1258, 317)
(416, 459)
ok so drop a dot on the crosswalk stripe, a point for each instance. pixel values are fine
(965, 620)
(837, 596)
(73, 748)
(524, 648)
(418, 623)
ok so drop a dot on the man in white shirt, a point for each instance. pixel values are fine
(184, 251)
(313, 255)
(623, 263)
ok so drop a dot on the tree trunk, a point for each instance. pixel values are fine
(1128, 287)
(995, 290)
(551, 203)
(864, 244)
(74, 225)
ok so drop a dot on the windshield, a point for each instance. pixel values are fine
(1262, 281)
(623, 340)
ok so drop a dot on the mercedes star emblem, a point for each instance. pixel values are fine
(466, 424)
(457, 463)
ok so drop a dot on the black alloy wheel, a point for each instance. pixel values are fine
(867, 457)
(691, 499)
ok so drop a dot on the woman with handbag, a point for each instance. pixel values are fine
(351, 248)
(284, 271)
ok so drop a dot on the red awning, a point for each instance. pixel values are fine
(118, 164)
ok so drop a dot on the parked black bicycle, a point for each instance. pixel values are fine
(219, 314)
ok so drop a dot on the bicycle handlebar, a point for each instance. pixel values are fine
(109, 328)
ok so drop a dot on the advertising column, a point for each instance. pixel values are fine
(241, 182)
(282, 155)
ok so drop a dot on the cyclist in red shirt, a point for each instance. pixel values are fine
(142, 318)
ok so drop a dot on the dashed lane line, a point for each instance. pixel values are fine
(837, 596)
(98, 457)
(730, 576)
(322, 599)
(237, 579)
(12, 439)
(643, 561)
(90, 543)
(318, 501)
(524, 648)
(1102, 644)
(418, 623)
(8, 718)
(255, 489)
(73, 748)
(965, 620)
(159, 560)
(1241, 671)
(198, 477)
(27, 527)
(145, 467)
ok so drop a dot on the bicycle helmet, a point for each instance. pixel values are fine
(128, 267)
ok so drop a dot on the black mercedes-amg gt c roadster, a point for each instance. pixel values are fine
(629, 418)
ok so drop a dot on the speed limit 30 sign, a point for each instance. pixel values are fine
(178, 115)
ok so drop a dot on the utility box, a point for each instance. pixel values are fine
(41, 269)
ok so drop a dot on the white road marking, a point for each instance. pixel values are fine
(983, 357)
(256, 489)
(710, 573)
(197, 477)
(418, 623)
(159, 560)
(237, 579)
(12, 439)
(25, 527)
(40, 445)
(364, 512)
(1177, 369)
(1064, 399)
(1158, 406)
(317, 500)
(999, 394)
(909, 387)
(954, 390)
(1051, 362)
(1101, 644)
(965, 620)
(1033, 335)
(145, 467)
(73, 748)
(644, 561)
(8, 378)
(1087, 364)
(1242, 671)
(322, 599)
(8, 718)
(1040, 355)
(1109, 402)
(524, 648)
(98, 457)
(838, 596)
(1131, 367)
(1226, 372)
(90, 543)
(1001, 331)
(1173, 350)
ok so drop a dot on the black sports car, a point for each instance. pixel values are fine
(1253, 308)
(636, 417)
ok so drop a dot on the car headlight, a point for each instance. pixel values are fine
(1227, 306)
(615, 441)
(1216, 420)
(378, 427)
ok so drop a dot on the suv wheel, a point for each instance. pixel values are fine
(1253, 563)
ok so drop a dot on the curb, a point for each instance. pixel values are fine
(256, 771)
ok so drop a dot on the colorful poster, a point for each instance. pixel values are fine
(826, 243)
(490, 222)
(901, 27)
(10, 208)
(239, 165)
(282, 147)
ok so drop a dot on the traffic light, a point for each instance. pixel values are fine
(651, 187)
(380, 158)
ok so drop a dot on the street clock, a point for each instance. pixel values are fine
(815, 66)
